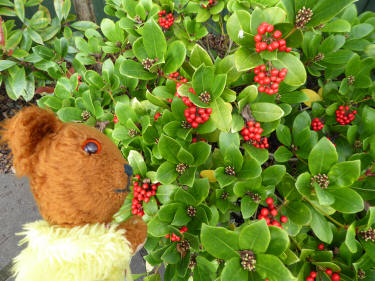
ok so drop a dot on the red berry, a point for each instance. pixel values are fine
(335, 277)
(329, 271)
(313, 274)
(310, 278)
(277, 34)
(274, 212)
(270, 28)
(321, 247)
(115, 119)
(264, 212)
(269, 200)
(261, 30)
(258, 38)
(284, 219)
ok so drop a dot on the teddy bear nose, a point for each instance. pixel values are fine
(128, 170)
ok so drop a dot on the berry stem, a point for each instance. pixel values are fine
(295, 243)
(325, 214)
(110, 94)
(290, 33)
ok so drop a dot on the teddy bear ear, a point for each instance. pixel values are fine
(24, 132)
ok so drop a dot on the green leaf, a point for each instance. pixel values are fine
(247, 95)
(250, 169)
(199, 56)
(284, 135)
(184, 156)
(203, 79)
(266, 112)
(84, 25)
(238, 27)
(282, 154)
(233, 271)
(166, 173)
(222, 178)
(347, 200)
(296, 70)
(169, 148)
(269, 266)
(279, 241)
(368, 120)
(322, 157)
(137, 162)
(175, 57)
(112, 31)
(19, 8)
(345, 173)
(350, 241)
(298, 213)
(221, 114)
(200, 190)
(34, 36)
(94, 79)
(134, 69)
(5, 64)
(273, 175)
(220, 242)
(201, 151)
(361, 30)
(255, 236)
(154, 40)
(324, 197)
(69, 114)
(246, 60)
(165, 193)
(320, 226)
(204, 270)
(171, 255)
(339, 25)
(248, 207)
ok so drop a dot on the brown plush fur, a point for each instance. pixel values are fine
(70, 186)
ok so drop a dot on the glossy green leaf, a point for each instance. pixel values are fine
(220, 242)
(322, 157)
(255, 236)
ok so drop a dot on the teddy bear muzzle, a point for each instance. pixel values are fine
(129, 172)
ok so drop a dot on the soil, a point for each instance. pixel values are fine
(8, 108)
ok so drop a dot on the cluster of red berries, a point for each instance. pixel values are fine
(251, 132)
(79, 81)
(193, 114)
(115, 119)
(165, 21)
(142, 191)
(156, 116)
(312, 276)
(269, 79)
(267, 42)
(178, 78)
(270, 213)
(210, 3)
(175, 237)
(194, 140)
(344, 115)
(334, 276)
(317, 125)
(196, 116)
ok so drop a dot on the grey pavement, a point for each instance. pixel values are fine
(17, 207)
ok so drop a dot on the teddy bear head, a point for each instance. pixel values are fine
(77, 174)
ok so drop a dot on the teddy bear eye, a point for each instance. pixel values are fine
(91, 146)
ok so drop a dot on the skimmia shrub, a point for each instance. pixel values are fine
(250, 126)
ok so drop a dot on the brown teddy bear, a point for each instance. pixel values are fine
(79, 180)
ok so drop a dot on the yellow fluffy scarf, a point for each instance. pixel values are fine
(86, 253)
